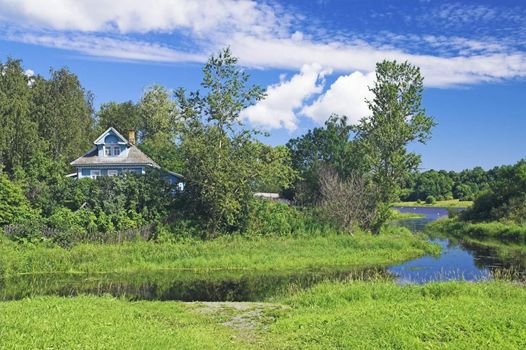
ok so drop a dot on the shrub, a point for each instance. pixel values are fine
(430, 200)
(14, 206)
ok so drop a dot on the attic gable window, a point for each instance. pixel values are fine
(112, 150)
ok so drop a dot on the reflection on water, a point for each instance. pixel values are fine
(460, 258)
(178, 285)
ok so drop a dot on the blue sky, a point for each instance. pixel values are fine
(315, 58)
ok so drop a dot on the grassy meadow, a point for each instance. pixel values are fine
(450, 203)
(349, 315)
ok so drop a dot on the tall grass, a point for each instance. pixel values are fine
(226, 253)
(496, 230)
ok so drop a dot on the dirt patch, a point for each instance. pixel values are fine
(250, 320)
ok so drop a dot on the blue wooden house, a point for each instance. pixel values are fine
(113, 155)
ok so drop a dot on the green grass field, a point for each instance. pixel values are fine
(452, 203)
(352, 315)
(225, 253)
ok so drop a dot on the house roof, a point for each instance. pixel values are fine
(134, 156)
(100, 139)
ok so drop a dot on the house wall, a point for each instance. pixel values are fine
(84, 172)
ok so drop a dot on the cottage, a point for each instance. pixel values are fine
(114, 155)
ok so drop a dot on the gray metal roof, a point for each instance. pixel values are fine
(134, 156)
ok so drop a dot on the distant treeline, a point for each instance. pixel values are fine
(465, 185)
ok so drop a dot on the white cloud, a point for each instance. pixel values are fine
(261, 35)
(346, 96)
(139, 16)
(286, 98)
(348, 57)
(109, 47)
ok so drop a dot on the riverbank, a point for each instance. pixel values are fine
(397, 215)
(376, 315)
(452, 203)
(393, 245)
(488, 230)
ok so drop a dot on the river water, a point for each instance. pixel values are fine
(460, 258)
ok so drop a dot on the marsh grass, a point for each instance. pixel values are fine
(492, 230)
(233, 253)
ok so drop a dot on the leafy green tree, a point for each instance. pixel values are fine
(63, 111)
(158, 114)
(505, 199)
(437, 184)
(397, 119)
(18, 129)
(122, 116)
(330, 145)
(14, 206)
(223, 163)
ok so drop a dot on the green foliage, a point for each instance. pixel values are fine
(158, 114)
(430, 200)
(18, 129)
(63, 111)
(14, 206)
(320, 147)
(505, 199)
(397, 119)
(121, 116)
(271, 218)
(105, 209)
(465, 185)
(497, 230)
(223, 162)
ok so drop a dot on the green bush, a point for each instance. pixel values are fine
(14, 206)
(274, 218)
(430, 200)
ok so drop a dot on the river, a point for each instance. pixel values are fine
(464, 259)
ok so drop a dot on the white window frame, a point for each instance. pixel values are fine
(116, 150)
(107, 151)
(113, 172)
(94, 173)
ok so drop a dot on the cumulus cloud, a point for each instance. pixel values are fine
(139, 16)
(286, 98)
(438, 71)
(260, 34)
(346, 96)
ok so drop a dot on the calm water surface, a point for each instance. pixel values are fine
(459, 259)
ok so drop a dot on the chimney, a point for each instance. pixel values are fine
(131, 136)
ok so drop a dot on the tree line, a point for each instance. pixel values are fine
(465, 185)
(346, 176)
